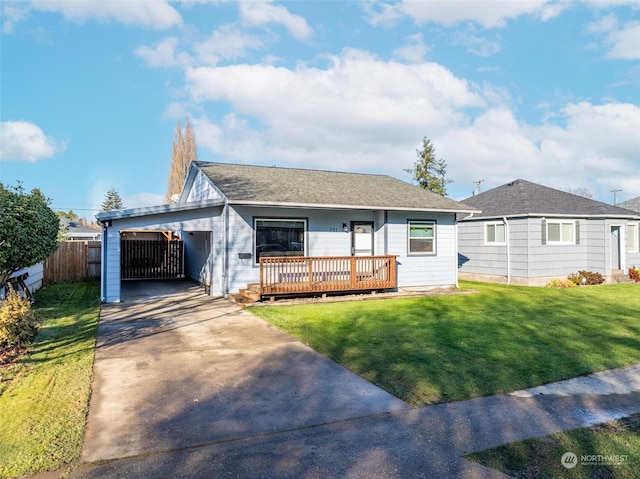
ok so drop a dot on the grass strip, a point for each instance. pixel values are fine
(44, 398)
(443, 348)
(605, 451)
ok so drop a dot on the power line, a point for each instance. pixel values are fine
(615, 198)
(478, 182)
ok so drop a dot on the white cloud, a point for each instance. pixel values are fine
(622, 41)
(588, 146)
(163, 54)
(12, 13)
(228, 43)
(604, 25)
(495, 148)
(489, 14)
(475, 44)
(625, 43)
(262, 13)
(25, 141)
(154, 14)
(359, 107)
(414, 50)
(139, 200)
(225, 43)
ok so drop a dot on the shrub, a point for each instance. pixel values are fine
(634, 274)
(18, 324)
(561, 283)
(590, 276)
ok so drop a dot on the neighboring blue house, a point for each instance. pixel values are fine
(308, 223)
(529, 234)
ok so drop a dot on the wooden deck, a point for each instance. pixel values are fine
(305, 274)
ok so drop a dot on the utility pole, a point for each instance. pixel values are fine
(477, 182)
(615, 192)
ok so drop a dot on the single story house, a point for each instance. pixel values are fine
(529, 234)
(243, 225)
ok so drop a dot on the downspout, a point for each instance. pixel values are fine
(506, 238)
(225, 250)
(455, 249)
(103, 266)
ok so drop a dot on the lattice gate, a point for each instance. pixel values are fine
(151, 259)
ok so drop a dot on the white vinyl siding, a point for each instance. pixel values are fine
(202, 189)
(494, 233)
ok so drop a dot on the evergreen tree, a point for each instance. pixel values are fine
(112, 201)
(428, 171)
(184, 150)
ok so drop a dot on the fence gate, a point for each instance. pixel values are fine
(151, 259)
(73, 261)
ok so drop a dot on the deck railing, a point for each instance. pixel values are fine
(305, 274)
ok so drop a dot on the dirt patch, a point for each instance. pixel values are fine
(11, 354)
(365, 296)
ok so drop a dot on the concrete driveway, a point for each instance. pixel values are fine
(175, 369)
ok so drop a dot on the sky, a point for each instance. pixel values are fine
(91, 91)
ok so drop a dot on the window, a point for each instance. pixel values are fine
(279, 237)
(494, 233)
(422, 237)
(632, 237)
(561, 232)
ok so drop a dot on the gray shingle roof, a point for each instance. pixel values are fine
(293, 186)
(632, 204)
(523, 198)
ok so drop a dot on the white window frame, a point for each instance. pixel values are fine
(304, 221)
(431, 223)
(486, 233)
(633, 241)
(562, 222)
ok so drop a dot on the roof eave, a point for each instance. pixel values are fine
(344, 207)
(156, 210)
(551, 215)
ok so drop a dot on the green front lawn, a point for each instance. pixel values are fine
(435, 349)
(44, 397)
(605, 451)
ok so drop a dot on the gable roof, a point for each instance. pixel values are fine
(264, 185)
(632, 204)
(523, 198)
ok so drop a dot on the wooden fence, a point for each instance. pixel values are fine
(73, 261)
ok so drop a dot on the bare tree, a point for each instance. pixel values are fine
(183, 151)
(585, 192)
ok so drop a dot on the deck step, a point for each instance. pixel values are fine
(255, 287)
(249, 294)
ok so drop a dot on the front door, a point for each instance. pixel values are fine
(361, 238)
(616, 260)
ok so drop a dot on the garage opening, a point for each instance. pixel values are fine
(144, 258)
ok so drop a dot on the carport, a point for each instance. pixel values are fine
(196, 254)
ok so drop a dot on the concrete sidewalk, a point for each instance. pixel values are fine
(189, 387)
